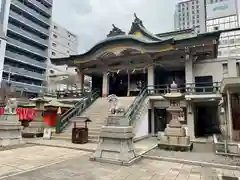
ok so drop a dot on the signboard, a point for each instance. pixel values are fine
(47, 133)
(221, 9)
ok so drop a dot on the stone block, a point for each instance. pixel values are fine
(34, 129)
(175, 131)
(164, 139)
(184, 140)
(173, 140)
(10, 133)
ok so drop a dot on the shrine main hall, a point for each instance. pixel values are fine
(126, 62)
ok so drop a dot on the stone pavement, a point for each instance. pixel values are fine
(209, 157)
(81, 168)
(140, 146)
(28, 158)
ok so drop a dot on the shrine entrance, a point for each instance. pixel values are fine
(118, 84)
(206, 119)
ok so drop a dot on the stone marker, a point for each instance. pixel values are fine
(175, 137)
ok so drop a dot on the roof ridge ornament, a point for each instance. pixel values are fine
(115, 31)
(137, 20)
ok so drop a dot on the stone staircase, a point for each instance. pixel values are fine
(97, 113)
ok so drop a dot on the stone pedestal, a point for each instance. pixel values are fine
(116, 142)
(10, 133)
(36, 127)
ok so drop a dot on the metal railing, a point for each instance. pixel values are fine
(187, 88)
(30, 36)
(24, 72)
(41, 6)
(27, 47)
(130, 114)
(25, 59)
(69, 93)
(29, 23)
(32, 12)
(27, 87)
(76, 110)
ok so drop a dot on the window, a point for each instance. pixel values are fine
(54, 35)
(216, 28)
(225, 69)
(53, 53)
(238, 69)
(55, 27)
(54, 44)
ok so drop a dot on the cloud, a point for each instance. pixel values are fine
(91, 20)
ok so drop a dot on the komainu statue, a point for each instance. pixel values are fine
(114, 105)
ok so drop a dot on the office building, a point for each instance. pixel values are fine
(26, 26)
(223, 15)
(190, 14)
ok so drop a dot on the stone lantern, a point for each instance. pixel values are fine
(36, 127)
(175, 135)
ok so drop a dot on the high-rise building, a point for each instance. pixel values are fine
(63, 43)
(190, 14)
(26, 26)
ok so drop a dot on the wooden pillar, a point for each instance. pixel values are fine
(229, 106)
(129, 83)
(81, 80)
(105, 86)
(152, 119)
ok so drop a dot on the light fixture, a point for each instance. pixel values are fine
(133, 71)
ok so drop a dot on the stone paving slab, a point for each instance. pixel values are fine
(81, 168)
(140, 146)
(196, 156)
(28, 158)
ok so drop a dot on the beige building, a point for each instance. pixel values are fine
(63, 43)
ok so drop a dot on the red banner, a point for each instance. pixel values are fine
(26, 113)
(2, 110)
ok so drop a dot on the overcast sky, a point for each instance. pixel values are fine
(92, 20)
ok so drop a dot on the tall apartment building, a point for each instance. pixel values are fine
(26, 26)
(190, 14)
(63, 43)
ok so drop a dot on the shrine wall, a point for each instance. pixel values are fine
(141, 129)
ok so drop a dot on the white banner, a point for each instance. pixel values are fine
(221, 9)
